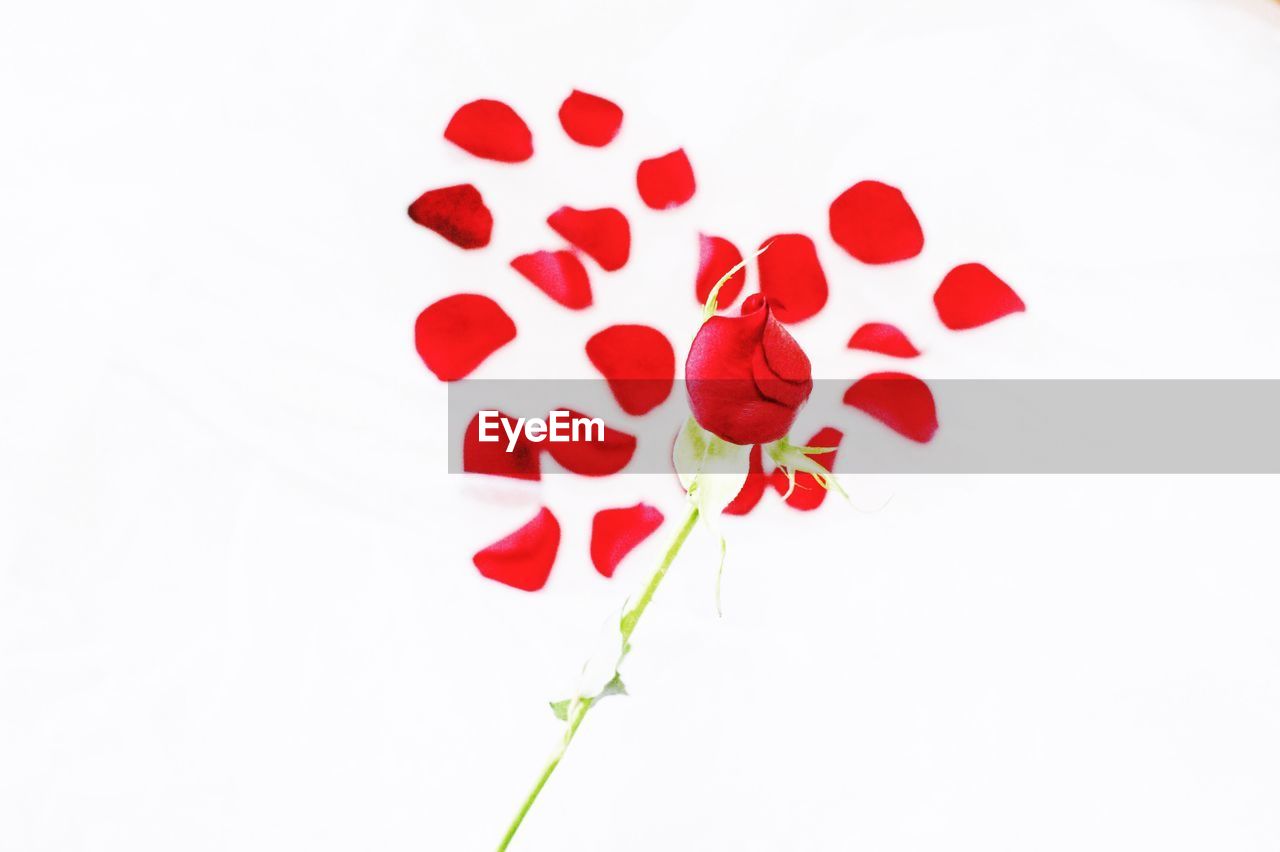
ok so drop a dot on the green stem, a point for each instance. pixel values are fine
(578, 709)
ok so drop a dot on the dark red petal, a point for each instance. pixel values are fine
(667, 181)
(716, 256)
(524, 558)
(753, 488)
(491, 457)
(883, 338)
(457, 333)
(874, 223)
(971, 295)
(593, 458)
(791, 277)
(559, 274)
(808, 494)
(638, 362)
(899, 401)
(590, 119)
(603, 234)
(616, 532)
(492, 130)
(456, 213)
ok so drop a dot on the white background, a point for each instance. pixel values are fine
(237, 610)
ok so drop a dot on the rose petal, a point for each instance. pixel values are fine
(603, 234)
(590, 119)
(667, 181)
(456, 213)
(524, 558)
(883, 338)
(457, 333)
(753, 488)
(874, 223)
(808, 494)
(492, 130)
(775, 387)
(791, 277)
(971, 295)
(492, 458)
(638, 362)
(559, 274)
(616, 532)
(785, 357)
(593, 458)
(716, 256)
(899, 401)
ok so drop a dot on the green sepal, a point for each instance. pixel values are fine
(615, 686)
(791, 458)
(710, 308)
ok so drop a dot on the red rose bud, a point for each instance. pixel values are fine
(747, 377)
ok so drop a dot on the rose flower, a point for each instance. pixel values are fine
(746, 376)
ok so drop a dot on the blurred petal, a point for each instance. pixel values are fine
(791, 278)
(971, 295)
(899, 401)
(874, 223)
(716, 256)
(602, 234)
(616, 532)
(454, 335)
(559, 274)
(883, 338)
(667, 181)
(492, 130)
(524, 558)
(491, 457)
(638, 362)
(590, 119)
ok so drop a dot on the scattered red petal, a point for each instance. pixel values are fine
(491, 457)
(524, 558)
(791, 278)
(667, 181)
(590, 119)
(716, 256)
(616, 532)
(593, 458)
(883, 338)
(753, 488)
(638, 363)
(456, 213)
(457, 333)
(492, 130)
(899, 401)
(808, 494)
(971, 295)
(603, 234)
(874, 223)
(559, 274)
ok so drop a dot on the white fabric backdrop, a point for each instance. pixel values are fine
(237, 610)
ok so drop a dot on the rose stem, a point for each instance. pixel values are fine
(578, 709)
